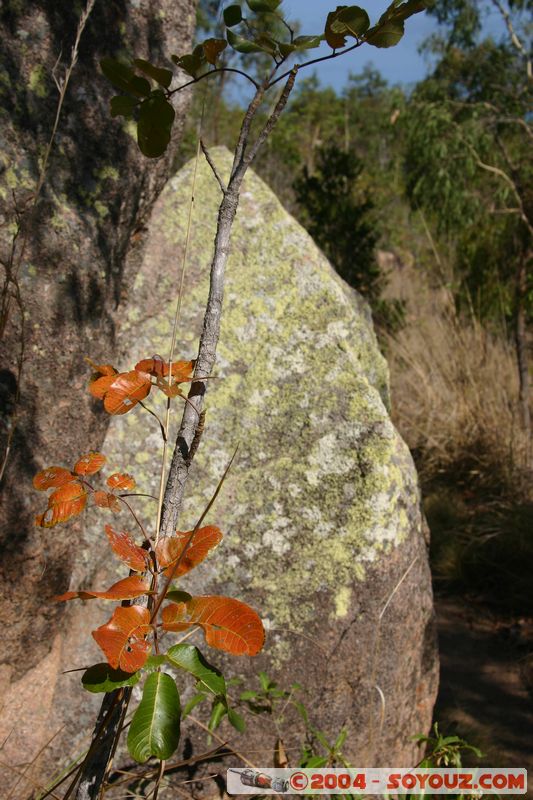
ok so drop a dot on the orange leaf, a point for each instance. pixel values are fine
(121, 480)
(173, 616)
(125, 548)
(99, 387)
(168, 389)
(106, 500)
(227, 624)
(181, 370)
(101, 369)
(128, 389)
(153, 366)
(126, 589)
(169, 549)
(122, 639)
(52, 476)
(66, 502)
(89, 464)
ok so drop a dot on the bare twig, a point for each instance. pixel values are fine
(211, 163)
(215, 735)
(29, 780)
(375, 654)
(516, 41)
(32, 762)
(150, 773)
(159, 776)
(94, 768)
(209, 74)
(177, 312)
(179, 469)
(96, 762)
(335, 54)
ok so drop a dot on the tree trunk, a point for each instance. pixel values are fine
(83, 245)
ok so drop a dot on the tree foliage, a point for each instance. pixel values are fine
(338, 217)
(468, 164)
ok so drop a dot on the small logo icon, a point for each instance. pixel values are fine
(299, 781)
(260, 780)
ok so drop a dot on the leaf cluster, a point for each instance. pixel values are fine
(133, 630)
(146, 86)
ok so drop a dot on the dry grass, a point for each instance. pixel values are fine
(455, 401)
(455, 391)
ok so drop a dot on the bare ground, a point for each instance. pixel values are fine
(486, 686)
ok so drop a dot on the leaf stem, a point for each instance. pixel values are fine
(335, 54)
(134, 515)
(211, 72)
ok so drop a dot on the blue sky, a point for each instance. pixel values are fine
(400, 64)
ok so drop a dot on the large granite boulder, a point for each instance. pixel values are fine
(321, 511)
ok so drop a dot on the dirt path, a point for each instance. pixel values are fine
(486, 688)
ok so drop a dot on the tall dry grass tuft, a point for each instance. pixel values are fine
(455, 401)
(455, 390)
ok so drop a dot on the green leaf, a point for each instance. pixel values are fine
(193, 702)
(154, 128)
(193, 62)
(301, 709)
(155, 727)
(218, 712)
(307, 42)
(236, 720)
(188, 657)
(103, 678)
(268, 44)
(335, 40)
(341, 738)
(263, 5)
(407, 9)
(265, 682)
(242, 45)
(354, 19)
(188, 64)
(123, 105)
(119, 74)
(232, 15)
(412, 7)
(213, 48)
(124, 78)
(386, 35)
(322, 739)
(161, 76)
(249, 694)
(315, 761)
(178, 596)
(152, 663)
(286, 49)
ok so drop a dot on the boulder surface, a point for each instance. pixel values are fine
(324, 534)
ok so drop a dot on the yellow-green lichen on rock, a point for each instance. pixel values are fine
(321, 476)
(323, 495)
